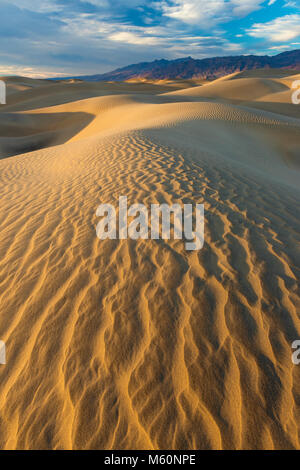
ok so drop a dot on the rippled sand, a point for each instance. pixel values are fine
(142, 344)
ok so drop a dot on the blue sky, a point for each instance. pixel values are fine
(44, 38)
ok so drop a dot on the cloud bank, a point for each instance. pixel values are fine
(73, 37)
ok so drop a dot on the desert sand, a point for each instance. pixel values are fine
(123, 344)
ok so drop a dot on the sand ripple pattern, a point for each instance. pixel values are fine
(141, 344)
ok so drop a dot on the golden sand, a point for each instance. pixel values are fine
(123, 344)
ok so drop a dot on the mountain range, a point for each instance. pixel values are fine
(189, 68)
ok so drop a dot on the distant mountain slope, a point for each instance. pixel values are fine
(188, 67)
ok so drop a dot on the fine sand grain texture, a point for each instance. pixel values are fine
(123, 344)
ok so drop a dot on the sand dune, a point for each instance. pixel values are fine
(238, 89)
(254, 88)
(123, 344)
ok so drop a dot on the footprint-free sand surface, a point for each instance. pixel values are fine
(140, 344)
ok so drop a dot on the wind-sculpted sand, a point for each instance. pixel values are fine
(123, 344)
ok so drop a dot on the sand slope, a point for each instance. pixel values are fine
(141, 344)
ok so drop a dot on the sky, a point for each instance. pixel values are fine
(47, 38)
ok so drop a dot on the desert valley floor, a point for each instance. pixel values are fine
(123, 344)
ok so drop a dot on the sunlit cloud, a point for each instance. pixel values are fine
(278, 30)
(210, 12)
(28, 72)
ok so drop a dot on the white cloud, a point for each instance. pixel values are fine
(284, 47)
(244, 7)
(209, 12)
(281, 29)
(134, 38)
(10, 70)
(191, 11)
(45, 6)
(102, 31)
(292, 4)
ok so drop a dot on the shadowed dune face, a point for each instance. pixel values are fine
(123, 344)
(23, 133)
